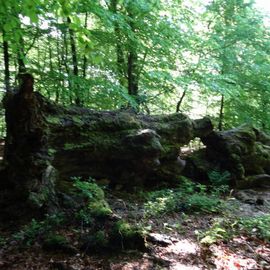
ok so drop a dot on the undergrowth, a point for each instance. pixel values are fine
(188, 197)
(226, 228)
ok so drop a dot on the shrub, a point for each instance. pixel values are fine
(37, 229)
(188, 197)
(218, 178)
(228, 227)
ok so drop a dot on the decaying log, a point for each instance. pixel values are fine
(244, 152)
(47, 144)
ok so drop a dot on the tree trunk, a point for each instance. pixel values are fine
(121, 64)
(6, 63)
(179, 103)
(243, 153)
(65, 62)
(221, 113)
(20, 57)
(75, 84)
(133, 76)
(84, 57)
(133, 86)
(126, 148)
(30, 176)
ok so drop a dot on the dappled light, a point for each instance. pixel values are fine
(134, 135)
(194, 145)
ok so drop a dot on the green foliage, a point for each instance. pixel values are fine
(88, 189)
(229, 227)
(201, 202)
(188, 197)
(125, 235)
(161, 202)
(256, 226)
(125, 229)
(96, 206)
(218, 178)
(203, 49)
(35, 230)
(52, 241)
(84, 216)
(217, 232)
(100, 239)
(2, 123)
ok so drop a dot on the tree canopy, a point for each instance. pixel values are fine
(199, 57)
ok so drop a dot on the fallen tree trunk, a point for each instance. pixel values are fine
(47, 144)
(244, 152)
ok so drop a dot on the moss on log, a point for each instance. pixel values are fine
(48, 144)
(242, 151)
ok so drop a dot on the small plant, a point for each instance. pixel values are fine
(84, 216)
(127, 236)
(37, 229)
(218, 178)
(89, 189)
(257, 226)
(218, 231)
(101, 238)
(161, 202)
(124, 229)
(188, 197)
(96, 242)
(30, 232)
(228, 227)
(202, 202)
(95, 205)
(54, 241)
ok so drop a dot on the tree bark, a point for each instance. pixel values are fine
(20, 57)
(243, 153)
(126, 148)
(121, 64)
(179, 103)
(74, 62)
(30, 176)
(6, 63)
(221, 113)
(84, 57)
(133, 84)
(133, 79)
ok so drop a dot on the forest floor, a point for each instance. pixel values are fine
(174, 240)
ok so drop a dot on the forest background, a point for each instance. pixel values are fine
(158, 56)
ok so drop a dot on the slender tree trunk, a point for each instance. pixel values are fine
(21, 56)
(221, 113)
(6, 63)
(120, 59)
(21, 64)
(133, 87)
(65, 62)
(59, 64)
(179, 103)
(84, 57)
(133, 79)
(74, 61)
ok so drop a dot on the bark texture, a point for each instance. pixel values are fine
(244, 152)
(48, 144)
